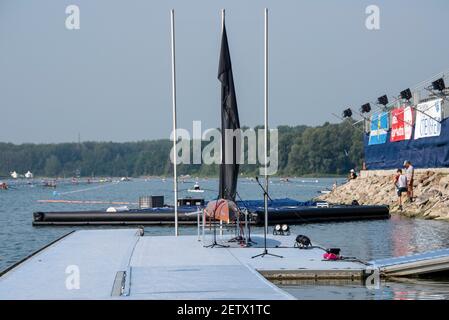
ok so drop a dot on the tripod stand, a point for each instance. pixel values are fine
(265, 198)
(214, 242)
(238, 232)
(247, 225)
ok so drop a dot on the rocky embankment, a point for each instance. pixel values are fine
(431, 192)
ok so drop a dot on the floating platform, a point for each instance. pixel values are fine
(418, 264)
(312, 214)
(280, 211)
(159, 216)
(124, 264)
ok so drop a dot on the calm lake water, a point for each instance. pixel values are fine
(366, 240)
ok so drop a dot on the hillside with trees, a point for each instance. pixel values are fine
(329, 149)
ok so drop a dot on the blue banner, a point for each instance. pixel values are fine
(431, 152)
(379, 128)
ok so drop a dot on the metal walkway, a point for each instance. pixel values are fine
(123, 264)
(417, 264)
(95, 256)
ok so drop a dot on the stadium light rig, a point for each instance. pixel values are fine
(406, 94)
(366, 108)
(383, 100)
(347, 113)
(439, 85)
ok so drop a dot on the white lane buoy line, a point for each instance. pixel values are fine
(87, 202)
(85, 189)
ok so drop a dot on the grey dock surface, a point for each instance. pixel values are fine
(124, 264)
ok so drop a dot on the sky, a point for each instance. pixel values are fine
(111, 79)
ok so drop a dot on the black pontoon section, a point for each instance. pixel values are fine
(300, 215)
(280, 211)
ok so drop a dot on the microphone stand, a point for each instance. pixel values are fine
(248, 240)
(238, 237)
(265, 250)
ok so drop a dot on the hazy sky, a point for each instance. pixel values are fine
(110, 80)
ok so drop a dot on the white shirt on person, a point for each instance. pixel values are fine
(402, 181)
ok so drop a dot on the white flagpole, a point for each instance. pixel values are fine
(266, 117)
(175, 154)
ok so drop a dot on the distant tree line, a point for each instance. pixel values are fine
(329, 149)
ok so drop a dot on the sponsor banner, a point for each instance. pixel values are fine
(428, 115)
(379, 128)
(401, 124)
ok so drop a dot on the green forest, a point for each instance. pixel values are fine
(329, 149)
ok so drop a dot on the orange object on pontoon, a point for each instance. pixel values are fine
(221, 210)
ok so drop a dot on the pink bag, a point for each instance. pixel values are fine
(331, 256)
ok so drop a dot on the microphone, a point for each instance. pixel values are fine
(257, 178)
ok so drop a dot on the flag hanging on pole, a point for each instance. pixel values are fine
(229, 167)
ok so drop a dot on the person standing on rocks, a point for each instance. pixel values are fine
(400, 182)
(352, 175)
(409, 172)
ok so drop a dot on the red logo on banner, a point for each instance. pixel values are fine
(401, 124)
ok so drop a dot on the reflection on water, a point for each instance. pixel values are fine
(381, 238)
(364, 239)
(399, 289)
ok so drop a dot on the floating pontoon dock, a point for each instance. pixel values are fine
(124, 264)
(423, 263)
(280, 211)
